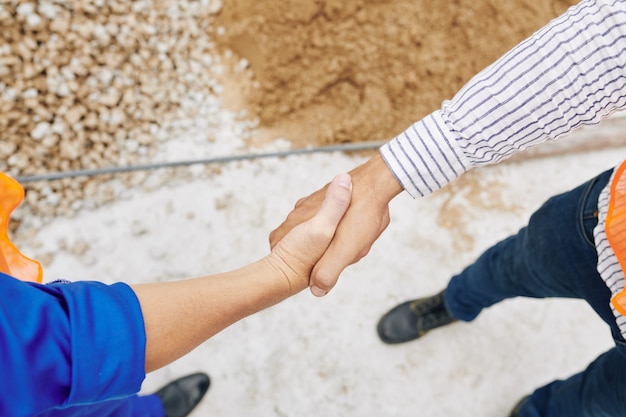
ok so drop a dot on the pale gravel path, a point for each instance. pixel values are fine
(321, 357)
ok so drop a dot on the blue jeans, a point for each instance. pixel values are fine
(553, 256)
(133, 406)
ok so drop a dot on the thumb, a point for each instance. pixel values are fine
(298, 251)
(332, 210)
(336, 202)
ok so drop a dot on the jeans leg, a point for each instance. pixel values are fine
(133, 406)
(553, 256)
(598, 391)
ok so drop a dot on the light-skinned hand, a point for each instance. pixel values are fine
(373, 187)
(297, 252)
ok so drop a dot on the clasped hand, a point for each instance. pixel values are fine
(373, 187)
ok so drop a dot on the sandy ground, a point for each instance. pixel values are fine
(336, 71)
(321, 357)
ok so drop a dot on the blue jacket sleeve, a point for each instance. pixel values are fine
(67, 344)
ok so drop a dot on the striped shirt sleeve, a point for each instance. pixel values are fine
(569, 74)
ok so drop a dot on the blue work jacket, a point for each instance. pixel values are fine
(65, 344)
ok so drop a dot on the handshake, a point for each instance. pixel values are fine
(327, 231)
(361, 223)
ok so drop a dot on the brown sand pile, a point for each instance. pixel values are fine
(353, 70)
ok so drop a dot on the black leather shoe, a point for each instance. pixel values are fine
(413, 319)
(181, 396)
(518, 407)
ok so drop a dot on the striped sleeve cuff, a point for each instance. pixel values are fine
(424, 158)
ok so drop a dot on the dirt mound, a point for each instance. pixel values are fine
(342, 71)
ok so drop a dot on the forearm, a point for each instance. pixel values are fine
(180, 315)
(566, 75)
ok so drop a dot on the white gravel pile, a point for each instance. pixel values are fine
(88, 84)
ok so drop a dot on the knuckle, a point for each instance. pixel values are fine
(323, 279)
(362, 253)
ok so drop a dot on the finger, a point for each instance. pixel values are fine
(285, 227)
(339, 255)
(327, 270)
(303, 211)
(334, 206)
(277, 234)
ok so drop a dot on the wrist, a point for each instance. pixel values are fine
(379, 178)
(284, 278)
